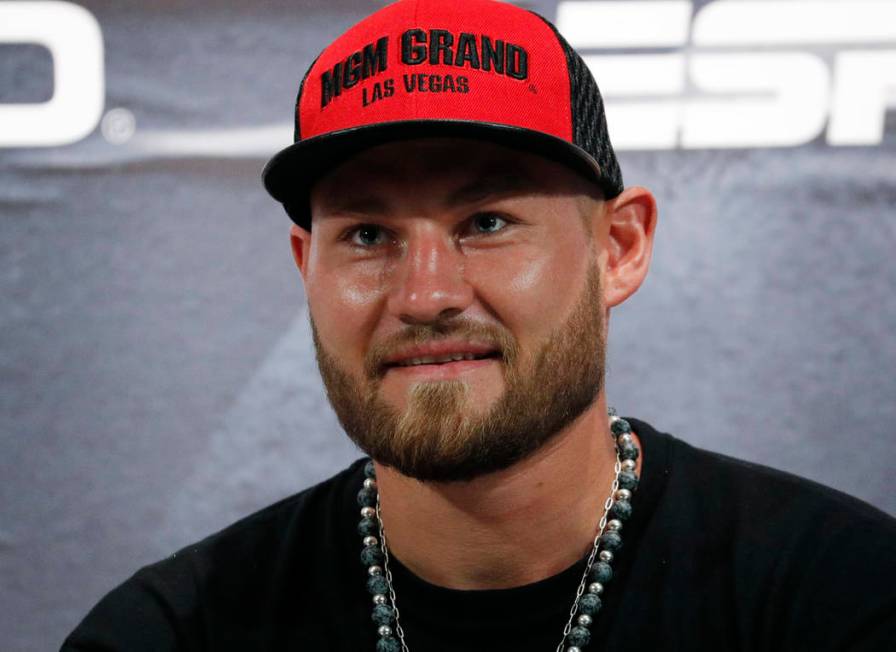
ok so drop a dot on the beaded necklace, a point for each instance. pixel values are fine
(608, 540)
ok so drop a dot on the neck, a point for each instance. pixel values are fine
(508, 528)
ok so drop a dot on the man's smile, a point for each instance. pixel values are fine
(440, 359)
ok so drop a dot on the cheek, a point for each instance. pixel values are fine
(344, 307)
(532, 289)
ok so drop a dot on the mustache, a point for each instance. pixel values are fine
(460, 329)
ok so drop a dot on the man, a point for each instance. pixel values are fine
(462, 231)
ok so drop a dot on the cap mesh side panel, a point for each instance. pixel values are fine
(589, 123)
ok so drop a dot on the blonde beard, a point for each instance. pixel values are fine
(438, 409)
(438, 436)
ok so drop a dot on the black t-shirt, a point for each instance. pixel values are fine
(719, 554)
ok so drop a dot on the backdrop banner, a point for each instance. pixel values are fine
(157, 378)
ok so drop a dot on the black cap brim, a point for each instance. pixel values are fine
(291, 173)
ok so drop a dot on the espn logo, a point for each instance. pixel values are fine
(75, 42)
(739, 73)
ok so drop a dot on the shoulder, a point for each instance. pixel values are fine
(277, 529)
(738, 489)
(234, 571)
(806, 565)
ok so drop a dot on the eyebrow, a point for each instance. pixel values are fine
(490, 184)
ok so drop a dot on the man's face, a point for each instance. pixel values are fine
(456, 303)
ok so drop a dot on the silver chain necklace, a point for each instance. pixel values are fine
(607, 540)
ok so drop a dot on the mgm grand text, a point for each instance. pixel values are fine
(435, 47)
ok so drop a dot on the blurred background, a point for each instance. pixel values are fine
(156, 372)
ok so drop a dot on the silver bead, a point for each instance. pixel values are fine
(375, 570)
(370, 483)
(596, 588)
(384, 631)
(614, 525)
(368, 512)
(585, 620)
(628, 465)
(370, 541)
(606, 555)
(379, 598)
(573, 648)
(623, 494)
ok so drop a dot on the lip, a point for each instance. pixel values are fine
(440, 349)
(486, 354)
(441, 370)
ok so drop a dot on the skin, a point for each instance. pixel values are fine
(430, 258)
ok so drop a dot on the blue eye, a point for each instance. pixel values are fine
(489, 223)
(367, 235)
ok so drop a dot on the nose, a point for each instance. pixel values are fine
(428, 282)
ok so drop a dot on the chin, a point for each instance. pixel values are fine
(466, 399)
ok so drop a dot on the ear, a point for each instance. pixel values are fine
(630, 220)
(300, 241)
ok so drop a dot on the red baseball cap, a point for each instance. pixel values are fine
(478, 69)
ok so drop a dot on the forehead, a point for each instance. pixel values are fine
(461, 169)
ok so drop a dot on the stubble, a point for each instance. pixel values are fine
(439, 436)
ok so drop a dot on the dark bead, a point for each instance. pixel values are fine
(368, 527)
(589, 604)
(579, 636)
(388, 644)
(383, 614)
(601, 572)
(367, 498)
(621, 509)
(628, 480)
(620, 427)
(372, 556)
(369, 470)
(629, 452)
(611, 412)
(377, 584)
(610, 541)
